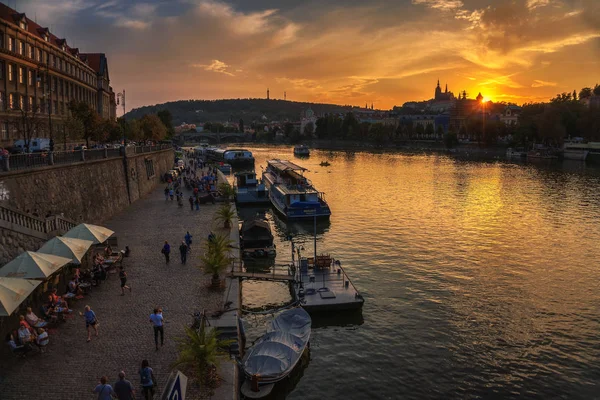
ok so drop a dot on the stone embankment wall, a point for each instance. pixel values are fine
(85, 192)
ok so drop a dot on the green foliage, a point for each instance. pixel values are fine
(225, 214)
(226, 190)
(429, 130)
(450, 140)
(309, 129)
(216, 258)
(89, 119)
(199, 350)
(152, 128)
(167, 120)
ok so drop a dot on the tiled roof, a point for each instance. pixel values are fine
(10, 15)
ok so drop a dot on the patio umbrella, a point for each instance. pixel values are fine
(73, 249)
(32, 265)
(13, 291)
(95, 233)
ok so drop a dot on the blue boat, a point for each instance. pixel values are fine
(292, 194)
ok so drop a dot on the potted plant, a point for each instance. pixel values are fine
(199, 350)
(225, 214)
(216, 259)
(226, 191)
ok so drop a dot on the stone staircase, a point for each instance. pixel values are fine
(20, 231)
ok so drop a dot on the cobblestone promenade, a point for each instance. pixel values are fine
(71, 367)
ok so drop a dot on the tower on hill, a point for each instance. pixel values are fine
(268, 94)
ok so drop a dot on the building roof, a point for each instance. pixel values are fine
(13, 17)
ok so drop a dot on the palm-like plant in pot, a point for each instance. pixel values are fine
(216, 258)
(225, 213)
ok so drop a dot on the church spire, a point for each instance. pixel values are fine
(438, 82)
(446, 88)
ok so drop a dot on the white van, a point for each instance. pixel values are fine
(35, 144)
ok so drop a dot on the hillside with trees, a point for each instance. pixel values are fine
(233, 110)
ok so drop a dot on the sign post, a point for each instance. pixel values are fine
(176, 387)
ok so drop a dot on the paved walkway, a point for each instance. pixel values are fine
(71, 367)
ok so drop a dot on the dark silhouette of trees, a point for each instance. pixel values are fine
(167, 120)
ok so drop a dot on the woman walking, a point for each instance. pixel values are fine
(147, 380)
(90, 321)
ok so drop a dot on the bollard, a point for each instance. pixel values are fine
(254, 383)
(105, 152)
(82, 155)
(51, 158)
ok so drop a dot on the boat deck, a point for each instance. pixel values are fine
(262, 276)
(326, 288)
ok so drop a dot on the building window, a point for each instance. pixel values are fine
(22, 48)
(2, 105)
(55, 106)
(5, 131)
(31, 52)
(54, 62)
(1, 69)
(11, 101)
(10, 72)
(62, 108)
(1, 40)
(11, 44)
(32, 103)
(30, 77)
(21, 74)
(22, 25)
(21, 102)
(46, 38)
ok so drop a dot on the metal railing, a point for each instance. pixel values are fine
(36, 160)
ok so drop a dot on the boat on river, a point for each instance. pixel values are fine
(276, 353)
(301, 150)
(250, 190)
(292, 194)
(256, 239)
(516, 153)
(234, 157)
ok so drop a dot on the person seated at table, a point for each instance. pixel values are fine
(77, 275)
(42, 338)
(98, 260)
(14, 347)
(108, 250)
(23, 322)
(74, 287)
(25, 336)
(48, 313)
(33, 319)
(58, 300)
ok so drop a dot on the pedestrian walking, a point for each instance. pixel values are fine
(191, 200)
(197, 202)
(166, 250)
(91, 321)
(171, 194)
(158, 323)
(123, 277)
(147, 380)
(123, 388)
(183, 250)
(104, 390)
(188, 240)
(166, 193)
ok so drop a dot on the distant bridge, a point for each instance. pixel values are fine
(210, 137)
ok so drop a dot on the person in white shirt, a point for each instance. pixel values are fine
(158, 321)
(24, 335)
(43, 338)
(33, 319)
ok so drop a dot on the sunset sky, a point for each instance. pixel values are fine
(339, 51)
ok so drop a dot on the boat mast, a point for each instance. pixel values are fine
(315, 237)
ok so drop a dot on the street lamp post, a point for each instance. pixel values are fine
(121, 100)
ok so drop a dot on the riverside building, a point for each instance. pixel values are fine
(40, 74)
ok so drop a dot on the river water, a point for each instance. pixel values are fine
(480, 279)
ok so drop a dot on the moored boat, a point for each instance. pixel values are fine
(256, 239)
(234, 157)
(250, 190)
(516, 153)
(292, 194)
(301, 150)
(276, 353)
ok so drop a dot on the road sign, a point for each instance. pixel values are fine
(176, 387)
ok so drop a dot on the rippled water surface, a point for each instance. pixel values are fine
(480, 279)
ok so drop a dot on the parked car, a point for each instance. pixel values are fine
(78, 148)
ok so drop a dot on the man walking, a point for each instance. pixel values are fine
(191, 200)
(166, 250)
(123, 277)
(157, 321)
(183, 250)
(123, 388)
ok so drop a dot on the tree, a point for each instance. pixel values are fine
(27, 121)
(73, 130)
(597, 90)
(439, 132)
(450, 139)
(420, 131)
(152, 128)
(241, 123)
(89, 118)
(349, 126)
(585, 93)
(309, 129)
(167, 120)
